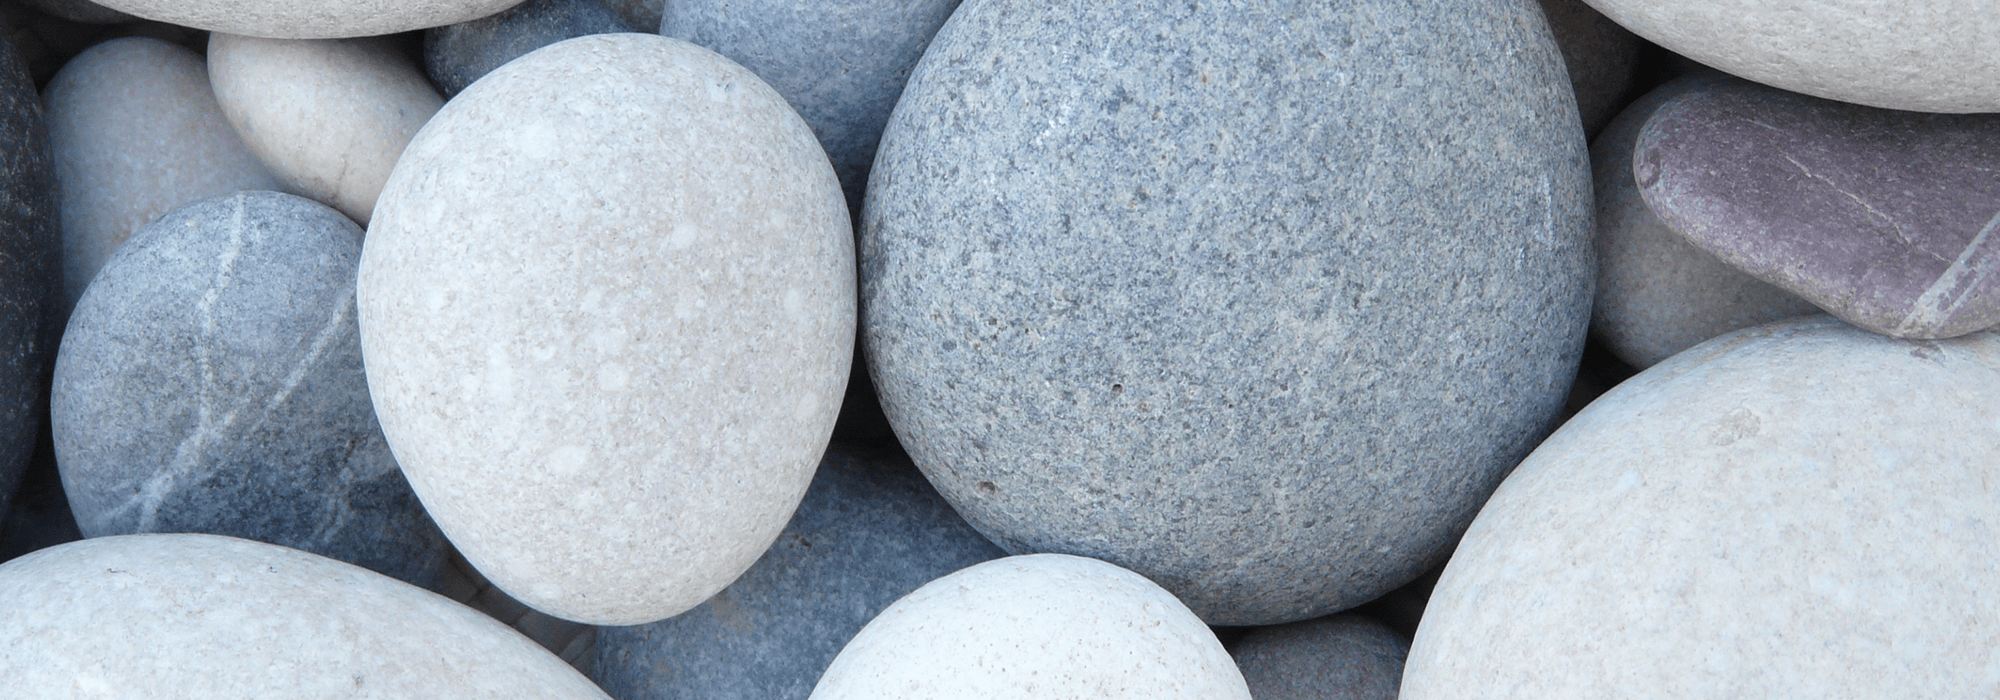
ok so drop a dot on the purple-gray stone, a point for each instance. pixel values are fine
(1340, 657)
(1886, 219)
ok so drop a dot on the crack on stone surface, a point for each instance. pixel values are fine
(1932, 309)
(1893, 224)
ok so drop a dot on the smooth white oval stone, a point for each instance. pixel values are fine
(607, 311)
(309, 19)
(206, 616)
(1035, 626)
(330, 117)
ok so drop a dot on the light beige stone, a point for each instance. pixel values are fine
(1041, 626)
(310, 19)
(330, 117)
(205, 616)
(1797, 510)
(607, 310)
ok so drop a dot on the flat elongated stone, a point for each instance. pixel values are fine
(1340, 657)
(1226, 312)
(211, 381)
(457, 54)
(30, 268)
(202, 616)
(309, 19)
(607, 306)
(1889, 220)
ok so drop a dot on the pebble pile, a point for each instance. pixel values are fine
(650, 349)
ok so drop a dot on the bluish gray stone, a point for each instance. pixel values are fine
(1340, 657)
(457, 54)
(1264, 317)
(30, 268)
(210, 381)
(869, 531)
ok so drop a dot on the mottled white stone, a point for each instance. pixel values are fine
(309, 19)
(1036, 626)
(1933, 56)
(1797, 510)
(136, 133)
(607, 310)
(330, 117)
(205, 616)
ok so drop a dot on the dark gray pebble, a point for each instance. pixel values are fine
(457, 54)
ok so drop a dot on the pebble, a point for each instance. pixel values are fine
(211, 381)
(869, 531)
(1600, 56)
(1797, 510)
(30, 269)
(1341, 657)
(457, 54)
(607, 309)
(1036, 626)
(309, 19)
(1658, 294)
(81, 11)
(136, 133)
(644, 14)
(203, 616)
(330, 118)
(1889, 220)
(1224, 312)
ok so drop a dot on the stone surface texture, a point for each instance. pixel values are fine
(1797, 510)
(1889, 220)
(644, 14)
(30, 269)
(1044, 626)
(1341, 657)
(203, 616)
(1263, 317)
(329, 117)
(211, 381)
(136, 133)
(1658, 294)
(1923, 56)
(81, 11)
(457, 54)
(1600, 56)
(607, 308)
(869, 531)
(310, 19)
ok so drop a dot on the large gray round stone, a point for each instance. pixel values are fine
(1263, 317)
(869, 531)
(457, 54)
(1340, 657)
(211, 381)
(309, 19)
(1798, 510)
(30, 269)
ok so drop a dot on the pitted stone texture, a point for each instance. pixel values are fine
(1924, 56)
(1043, 626)
(329, 117)
(1797, 510)
(608, 309)
(1225, 312)
(136, 133)
(201, 616)
(1342, 657)
(1889, 220)
(840, 63)
(869, 531)
(211, 381)
(81, 11)
(1658, 294)
(30, 269)
(1600, 56)
(309, 19)
(457, 54)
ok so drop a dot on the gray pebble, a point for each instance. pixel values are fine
(1341, 657)
(1600, 56)
(457, 54)
(30, 268)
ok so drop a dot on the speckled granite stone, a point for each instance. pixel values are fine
(1262, 317)
(81, 11)
(310, 19)
(211, 381)
(136, 133)
(1658, 294)
(1342, 657)
(329, 117)
(1797, 510)
(457, 54)
(1041, 626)
(30, 268)
(869, 531)
(607, 306)
(201, 616)
(1600, 56)
(1889, 220)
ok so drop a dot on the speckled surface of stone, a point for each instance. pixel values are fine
(608, 308)
(81, 11)
(309, 19)
(1044, 626)
(457, 54)
(1658, 294)
(202, 616)
(211, 381)
(1600, 57)
(1889, 220)
(1263, 317)
(869, 531)
(136, 133)
(329, 117)
(30, 268)
(1340, 657)
(1797, 510)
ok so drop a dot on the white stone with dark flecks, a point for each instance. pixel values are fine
(309, 19)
